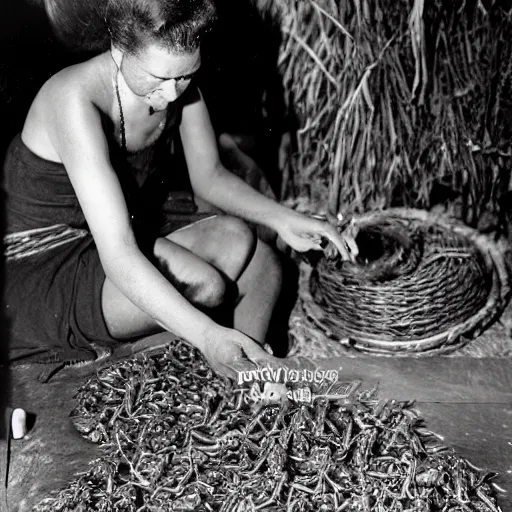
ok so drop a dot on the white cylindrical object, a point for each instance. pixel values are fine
(19, 423)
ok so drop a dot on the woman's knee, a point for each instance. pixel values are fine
(237, 235)
(209, 292)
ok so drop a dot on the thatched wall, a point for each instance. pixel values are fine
(396, 102)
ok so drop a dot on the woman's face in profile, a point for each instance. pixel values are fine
(158, 74)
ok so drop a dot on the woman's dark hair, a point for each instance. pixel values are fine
(174, 24)
(90, 26)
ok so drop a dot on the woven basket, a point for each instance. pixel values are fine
(423, 284)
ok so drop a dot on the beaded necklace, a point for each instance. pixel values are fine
(121, 115)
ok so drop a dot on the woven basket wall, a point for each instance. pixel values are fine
(423, 284)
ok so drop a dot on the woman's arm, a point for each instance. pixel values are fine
(211, 181)
(77, 135)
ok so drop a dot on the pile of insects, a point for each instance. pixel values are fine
(175, 437)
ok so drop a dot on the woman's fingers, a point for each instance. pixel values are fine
(257, 355)
(237, 353)
(345, 244)
(352, 245)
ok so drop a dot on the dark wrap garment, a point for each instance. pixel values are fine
(52, 299)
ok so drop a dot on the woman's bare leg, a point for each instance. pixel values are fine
(258, 282)
(259, 288)
(196, 280)
(200, 260)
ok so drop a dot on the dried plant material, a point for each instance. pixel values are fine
(176, 438)
(395, 100)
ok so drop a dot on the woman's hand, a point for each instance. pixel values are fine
(228, 351)
(303, 233)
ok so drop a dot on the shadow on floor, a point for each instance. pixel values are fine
(53, 451)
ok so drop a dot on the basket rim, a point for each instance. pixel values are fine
(447, 341)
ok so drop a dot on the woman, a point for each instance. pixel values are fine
(81, 159)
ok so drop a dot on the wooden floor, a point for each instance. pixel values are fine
(466, 400)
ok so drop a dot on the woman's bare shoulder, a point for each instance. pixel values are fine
(81, 87)
(89, 80)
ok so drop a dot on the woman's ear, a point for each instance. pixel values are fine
(117, 55)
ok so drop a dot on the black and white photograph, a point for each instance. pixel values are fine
(257, 256)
